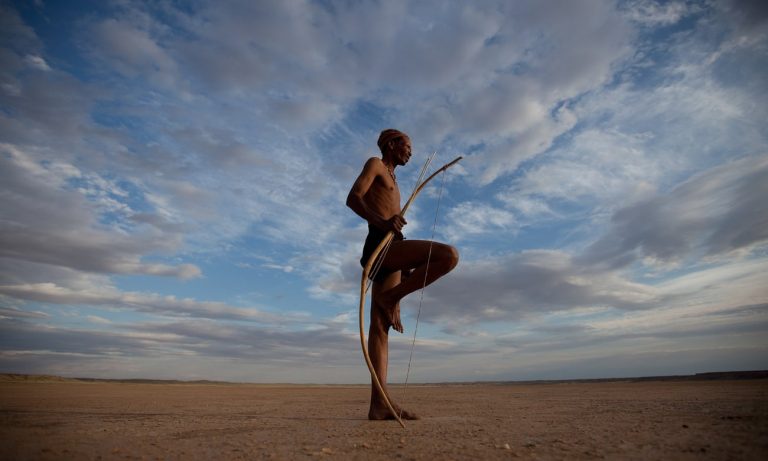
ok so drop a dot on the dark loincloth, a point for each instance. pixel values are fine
(375, 236)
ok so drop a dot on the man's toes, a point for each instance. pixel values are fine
(407, 415)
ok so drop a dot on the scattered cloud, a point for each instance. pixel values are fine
(37, 62)
(714, 214)
(173, 176)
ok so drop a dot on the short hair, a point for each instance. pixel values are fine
(387, 135)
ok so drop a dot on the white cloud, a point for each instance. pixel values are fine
(653, 13)
(284, 268)
(512, 286)
(595, 168)
(98, 320)
(49, 223)
(712, 215)
(37, 62)
(6, 313)
(469, 219)
(141, 302)
(133, 52)
(224, 134)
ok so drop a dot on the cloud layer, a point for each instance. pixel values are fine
(172, 184)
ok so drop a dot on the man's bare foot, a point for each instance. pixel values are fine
(409, 415)
(397, 325)
(389, 309)
(385, 414)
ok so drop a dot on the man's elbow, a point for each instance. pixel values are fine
(351, 200)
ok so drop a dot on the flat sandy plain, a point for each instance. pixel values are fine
(653, 420)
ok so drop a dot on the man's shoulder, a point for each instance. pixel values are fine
(374, 163)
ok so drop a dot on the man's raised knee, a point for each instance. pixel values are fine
(449, 256)
(453, 256)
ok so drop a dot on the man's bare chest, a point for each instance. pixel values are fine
(384, 196)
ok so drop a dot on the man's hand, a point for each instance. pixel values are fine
(396, 223)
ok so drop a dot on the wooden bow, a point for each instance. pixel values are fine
(364, 288)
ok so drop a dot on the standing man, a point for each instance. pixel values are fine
(375, 197)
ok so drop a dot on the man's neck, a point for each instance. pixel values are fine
(390, 166)
(389, 162)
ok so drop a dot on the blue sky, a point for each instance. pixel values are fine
(174, 175)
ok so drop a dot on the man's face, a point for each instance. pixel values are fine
(401, 150)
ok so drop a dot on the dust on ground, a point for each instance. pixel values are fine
(611, 420)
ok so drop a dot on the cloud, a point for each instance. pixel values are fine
(48, 222)
(516, 101)
(129, 44)
(745, 15)
(140, 302)
(15, 33)
(614, 162)
(596, 169)
(506, 82)
(469, 219)
(223, 50)
(286, 269)
(35, 102)
(98, 320)
(18, 313)
(37, 62)
(88, 352)
(653, 13)
(551, 284)
(713, 214)
(510, 287)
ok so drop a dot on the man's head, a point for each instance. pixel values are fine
(396, 145)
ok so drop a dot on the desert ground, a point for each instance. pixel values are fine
(696, 420)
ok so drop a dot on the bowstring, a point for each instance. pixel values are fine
(421, 296)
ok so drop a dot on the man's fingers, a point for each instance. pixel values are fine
(397, 222)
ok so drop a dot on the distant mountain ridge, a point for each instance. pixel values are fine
(708, 376)
(16, 377)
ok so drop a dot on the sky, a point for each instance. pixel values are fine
(174, 174)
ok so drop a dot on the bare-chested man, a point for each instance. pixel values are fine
(375, 196)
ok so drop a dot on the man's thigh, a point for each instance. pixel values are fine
(407, 254)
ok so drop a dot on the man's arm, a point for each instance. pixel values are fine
(356, 198)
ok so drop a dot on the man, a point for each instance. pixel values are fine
(375, 197)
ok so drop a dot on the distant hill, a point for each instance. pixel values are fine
(711, 376)
(730, 375)
(14, 377)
